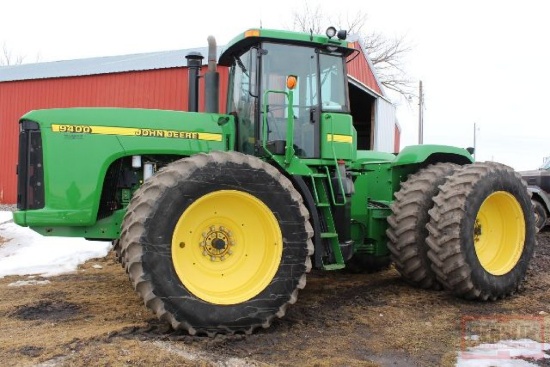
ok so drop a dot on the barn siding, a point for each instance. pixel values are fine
(359, 68)
(397, 139)
(384, 137)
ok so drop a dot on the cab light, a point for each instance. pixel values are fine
(252, 33)
(291, 81)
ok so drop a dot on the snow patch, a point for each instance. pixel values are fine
(22, 283)
(5, 217)
(27, 252)
(505, 353)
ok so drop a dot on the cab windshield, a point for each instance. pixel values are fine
(321, 87)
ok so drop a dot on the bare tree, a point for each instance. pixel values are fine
(386, 54)
(7, 58)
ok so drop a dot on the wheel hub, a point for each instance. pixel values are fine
(234, 247)
(216, 243)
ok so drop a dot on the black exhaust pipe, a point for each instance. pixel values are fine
(194, 63)
(212, 79)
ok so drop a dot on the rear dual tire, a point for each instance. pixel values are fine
(541, 217)
(481, 232)
(407, 231)
(469, 229)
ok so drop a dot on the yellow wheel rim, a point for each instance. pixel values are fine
(227, 247)
(499, 233)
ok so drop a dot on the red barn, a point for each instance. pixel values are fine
(152, 80)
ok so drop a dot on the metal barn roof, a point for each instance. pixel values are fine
(362, 68)
(100, 65)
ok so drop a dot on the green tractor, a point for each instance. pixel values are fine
(218, 217)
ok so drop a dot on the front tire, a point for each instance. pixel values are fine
(217, 243)
(482, 232)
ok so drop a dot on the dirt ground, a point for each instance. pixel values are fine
(93, 317)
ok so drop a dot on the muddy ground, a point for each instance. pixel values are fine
(93, 317)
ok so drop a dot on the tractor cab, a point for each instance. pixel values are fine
(288, 92)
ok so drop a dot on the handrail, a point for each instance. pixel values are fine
(289, 148)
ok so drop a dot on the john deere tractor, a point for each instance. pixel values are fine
(218, 217)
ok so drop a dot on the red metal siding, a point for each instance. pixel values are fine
(397, 139)
(162, 89)
(359, 68)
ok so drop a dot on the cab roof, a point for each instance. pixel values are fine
(245, 40)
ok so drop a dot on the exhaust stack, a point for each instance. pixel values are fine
(212, 79)
(194, 63)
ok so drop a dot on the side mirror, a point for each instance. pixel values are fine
(470, 150)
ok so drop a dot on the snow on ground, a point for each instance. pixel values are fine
(25, 252)
(505, 353)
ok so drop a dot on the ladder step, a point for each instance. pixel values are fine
(321, 175)
(329, 235)
(323, 205)
(334, 266)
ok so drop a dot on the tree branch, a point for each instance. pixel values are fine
(6, 58)
(386, 54)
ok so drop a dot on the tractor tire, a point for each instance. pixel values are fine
(482, 232)
(118, 253)
(407, 231)
(217, 243)
(540, 215)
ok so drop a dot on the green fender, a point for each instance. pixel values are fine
(415, 154)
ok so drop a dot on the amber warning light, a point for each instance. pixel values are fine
(291, 81)
(252, 33)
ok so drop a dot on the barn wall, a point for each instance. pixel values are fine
(384, 133)
(162, 89)
(397, 139)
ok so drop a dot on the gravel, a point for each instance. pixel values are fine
(8, 207)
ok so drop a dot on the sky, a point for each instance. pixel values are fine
(36, 260)
(480, 62)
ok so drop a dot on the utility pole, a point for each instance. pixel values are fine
(420, 114)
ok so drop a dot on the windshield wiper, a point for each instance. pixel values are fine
(241, 65)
